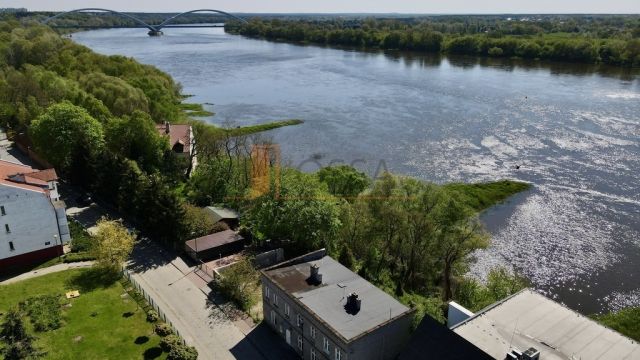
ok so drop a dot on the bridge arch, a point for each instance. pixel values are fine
(150, 27)
(169, 20)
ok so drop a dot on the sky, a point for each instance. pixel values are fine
(344, 6)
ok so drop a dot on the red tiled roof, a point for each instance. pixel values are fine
(178, 134)
(25, 177)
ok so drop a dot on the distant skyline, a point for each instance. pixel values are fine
(345, 6)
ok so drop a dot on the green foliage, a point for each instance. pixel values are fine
(297, 211)
(500, 284)
(183, 352)
(44, 312)
(170, 342)
(343, 180)
(239, 283)
(625, 321)
(113, 244)
(552, 38)
(480, 196)
(18, 344)
(56, 133)
(346, 257)
(432, 306)
(81, 240)
(152, 316)
(163, 329)
(198, 221)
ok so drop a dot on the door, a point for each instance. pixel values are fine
(288, 335)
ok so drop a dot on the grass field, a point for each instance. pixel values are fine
(481, 196)
(103, 323)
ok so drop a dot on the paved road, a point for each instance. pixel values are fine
(47, 270)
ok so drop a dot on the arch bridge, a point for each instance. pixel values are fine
(154, 30)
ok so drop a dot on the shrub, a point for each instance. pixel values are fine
(78, 257)
(163, 329)
(495, 51)
(80, 239)
(183, 352)
(44, 311)
(238, 283)
(170, 342)
(152, 316)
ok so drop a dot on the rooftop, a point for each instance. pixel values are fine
(177, 133)
(213, 240)
(221, 213)
(25, 177)
(327, 301)
(528, 319)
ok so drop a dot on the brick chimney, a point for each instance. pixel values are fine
(167, 127)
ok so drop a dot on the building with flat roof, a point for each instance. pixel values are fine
(326, 311)
(528, 325)
(214, 246)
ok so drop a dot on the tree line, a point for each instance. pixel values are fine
(594, 43)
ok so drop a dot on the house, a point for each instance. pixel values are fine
(33, 223)
(433, 341)
(529, 326)
(325, 311)
(181, 140)
(228, 216)
(214, 246)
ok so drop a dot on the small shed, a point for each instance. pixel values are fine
(226, 215)
(214, 246)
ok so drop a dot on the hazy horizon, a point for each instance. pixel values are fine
(452, 7)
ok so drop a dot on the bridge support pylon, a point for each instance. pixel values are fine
(155, 33)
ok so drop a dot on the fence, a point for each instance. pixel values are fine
(154, 305)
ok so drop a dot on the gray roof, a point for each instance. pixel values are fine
(529, 319)
(327, 301)
(220, 213)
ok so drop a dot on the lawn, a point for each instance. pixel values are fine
(103, 323)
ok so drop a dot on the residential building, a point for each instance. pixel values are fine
(529, 326)
(325, 311)
(181, 140)
(33, 223)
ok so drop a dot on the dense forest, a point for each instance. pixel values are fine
(611, 40)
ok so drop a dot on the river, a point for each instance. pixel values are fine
(573, 131)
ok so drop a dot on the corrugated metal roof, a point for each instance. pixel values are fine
(529, 319)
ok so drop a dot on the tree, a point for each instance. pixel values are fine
(18, 344)
(113, 244)
(183, 352)
(343, 181)
(239, 283)
(346, 257)
(58, 133)
(198, 221)
(135, 137)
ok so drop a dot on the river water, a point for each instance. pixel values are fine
(573, 130)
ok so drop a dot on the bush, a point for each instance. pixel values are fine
(80, 238)
(625, 321)
(152, 316)
(77, 257)
(238, 283)
(183, 352)
(44, 311)
(495, 51)
(163, 330)
(170, 342)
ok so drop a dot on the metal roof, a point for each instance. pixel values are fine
(220, 213)
(528, 319)
(213, 240)
(327, 301)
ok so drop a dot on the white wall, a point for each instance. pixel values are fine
(31, 219)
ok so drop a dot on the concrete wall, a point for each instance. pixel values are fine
(31, 220)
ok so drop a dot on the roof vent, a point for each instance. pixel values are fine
(353, 304)
(530, 354)
(315, 277)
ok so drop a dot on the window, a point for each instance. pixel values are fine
(299, 342)
(286, 309)
(275, 300)
(266, 292)
(325, 344)
(2, 211)
(300, 321)
(313, 332)
(6, 227)
(47, 243)
(313, 354)
(273, 317)
(11, 246)
(338, 354)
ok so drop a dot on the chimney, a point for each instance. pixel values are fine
(315, 276)
(167, 127)
(353, 303)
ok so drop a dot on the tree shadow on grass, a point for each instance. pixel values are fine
(94, 278)
(141, 340)
(152, 353)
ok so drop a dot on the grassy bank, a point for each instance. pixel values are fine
(481, 196)
(625, 321)
(103, 323)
